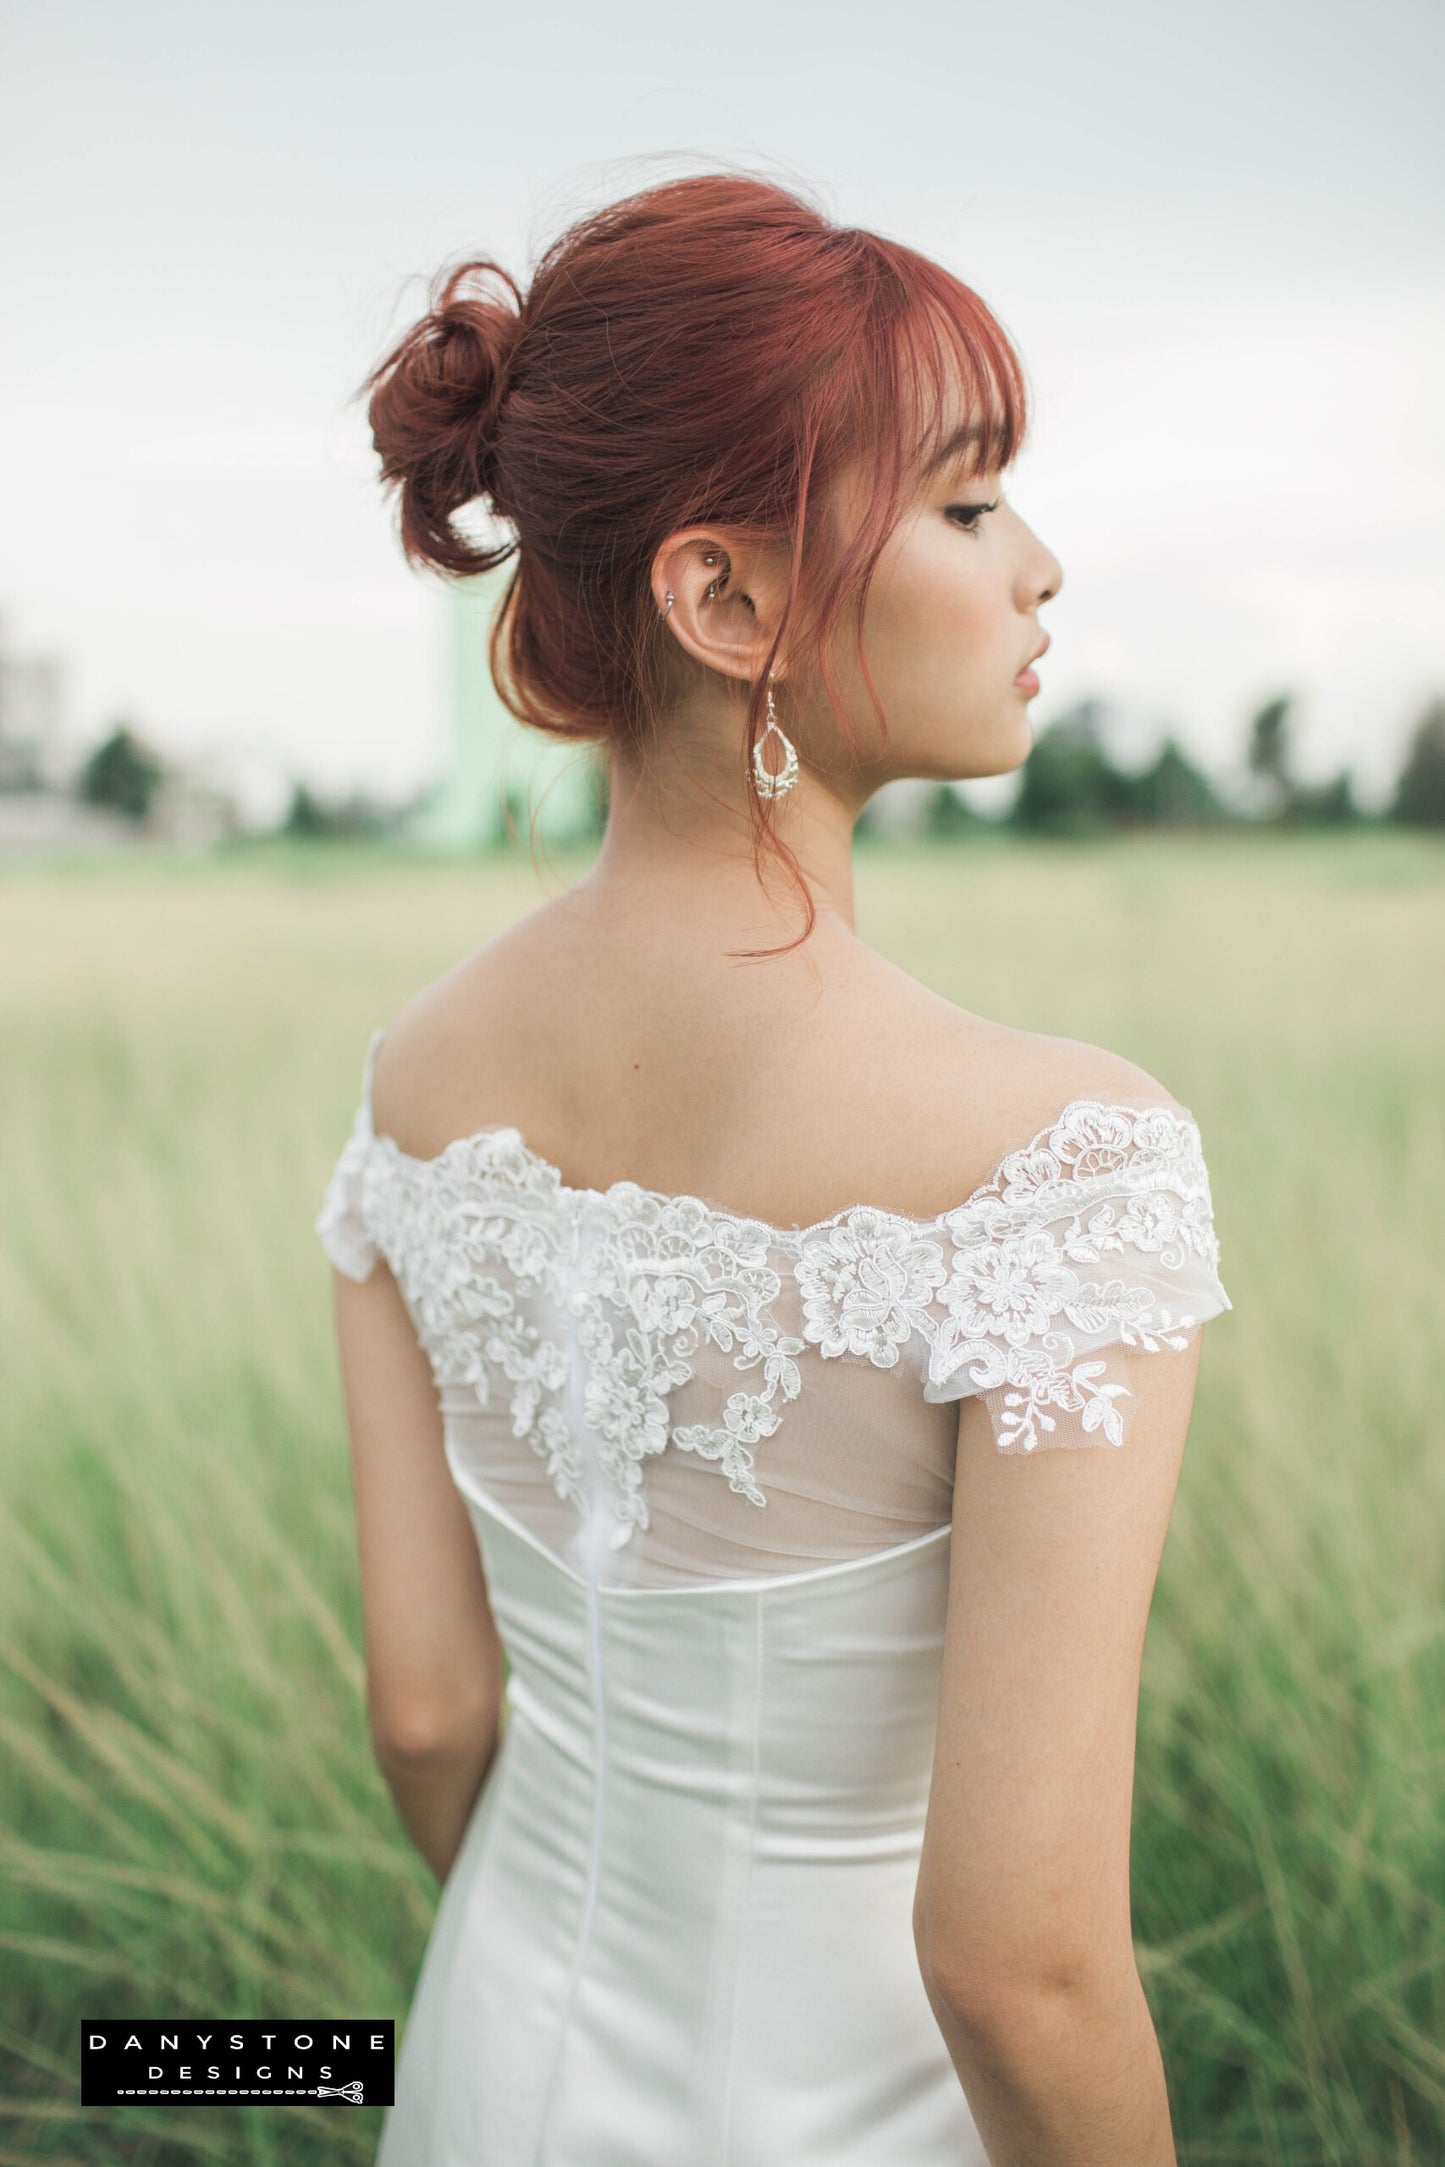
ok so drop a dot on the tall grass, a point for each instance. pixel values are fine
(192, 1821)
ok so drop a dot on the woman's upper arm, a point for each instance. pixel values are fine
(433, 1657)
(1023, 1887)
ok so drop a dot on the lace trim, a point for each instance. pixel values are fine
(1144, 1189)
(987, 1287)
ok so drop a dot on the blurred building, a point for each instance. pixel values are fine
(194, 808)
(496, 766)
(39, 817)
(40, 824)
(30, 697)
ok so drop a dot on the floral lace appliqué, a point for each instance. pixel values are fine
(1080, 1241)
(661, 1276)
(1110, 1182)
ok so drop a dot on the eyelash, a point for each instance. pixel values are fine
(975, 512)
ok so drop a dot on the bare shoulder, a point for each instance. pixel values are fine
(998, 1066)
(1011, 1085)
(1050, 1072)
(996, 1074)
(423, 1087)
(956, 1091)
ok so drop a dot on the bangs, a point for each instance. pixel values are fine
(935, 361)
(961, 383)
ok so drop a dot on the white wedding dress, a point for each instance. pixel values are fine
(709, 1464)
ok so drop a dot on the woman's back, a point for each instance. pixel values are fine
(700, 1349)
(638, 1050)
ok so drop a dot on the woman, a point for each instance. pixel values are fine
(709, 1292)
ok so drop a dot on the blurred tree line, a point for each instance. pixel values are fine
(1070, 785)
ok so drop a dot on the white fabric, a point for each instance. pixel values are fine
(704, 1395)
(709, 1463)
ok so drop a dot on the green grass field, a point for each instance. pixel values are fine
(192, 1822)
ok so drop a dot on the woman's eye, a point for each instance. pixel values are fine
(967, 516)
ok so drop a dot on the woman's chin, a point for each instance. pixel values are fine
(1007, 750)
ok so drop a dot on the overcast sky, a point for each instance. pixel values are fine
(1215, 233)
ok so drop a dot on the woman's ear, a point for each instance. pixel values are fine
(727, 598)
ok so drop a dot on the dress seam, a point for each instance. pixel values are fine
(599, 1792)
(750, 1854)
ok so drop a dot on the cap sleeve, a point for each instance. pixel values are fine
(1094, 1239)
(341, 1222)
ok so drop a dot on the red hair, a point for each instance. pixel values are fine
(710, 351)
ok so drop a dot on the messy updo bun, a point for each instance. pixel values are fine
(435, 404)
(712, 350)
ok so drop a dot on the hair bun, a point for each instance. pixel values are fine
(434, 408)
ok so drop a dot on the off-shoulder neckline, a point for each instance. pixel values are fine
(460, 1147)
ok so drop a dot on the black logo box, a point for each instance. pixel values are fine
(237, 2058)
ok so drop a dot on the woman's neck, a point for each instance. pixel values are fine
(681, 843)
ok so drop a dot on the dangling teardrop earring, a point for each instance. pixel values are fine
(773, 786)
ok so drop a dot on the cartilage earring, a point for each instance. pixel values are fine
(773, 786)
